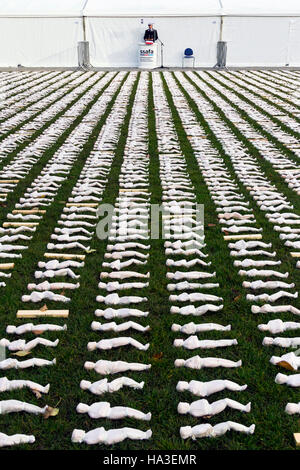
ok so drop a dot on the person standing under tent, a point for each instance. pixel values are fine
(150, 33)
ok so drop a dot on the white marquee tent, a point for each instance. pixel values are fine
(45, 33)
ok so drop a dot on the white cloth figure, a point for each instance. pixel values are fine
(50, 273)
(282, 342)
(267, 308)
(110, 313)
(290, 380)
(112, 436)
(55, 264)
(194, 297)
(185, 285)
(204, 389)
(7, 385)
(21, 345)
(288, 361)
(292, 408)
(44, 286)
(124, 275)
(16, 406)
(197, 311)
(103, 386)
(34, 362)
(15, 439)
(271, 298)
(278, 326)
(36, 329)
(200, 408)
(207, 430)
(103, 409)
(267, 285)
(191, 328)
(47, 295)
(262, 272)
(197, 362)
(115, 285)
(106, 344)
(178, 275)
(113, 326)
(193, 342)
(104, 367)
(114, 299)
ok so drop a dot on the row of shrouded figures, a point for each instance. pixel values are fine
(191, 277)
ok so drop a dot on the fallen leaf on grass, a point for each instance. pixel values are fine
(21, 353)
(51, 412)
(157, 356)
(90, 251)
(43, 308)
(211, 225)
(37, 393)
(237, 298)
(285, 365)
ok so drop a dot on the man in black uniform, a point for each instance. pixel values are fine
(150, 33)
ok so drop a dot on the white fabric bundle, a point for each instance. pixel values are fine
(34, 362)
(193, 342)
(191, 328)
(106, 344)
(113, 326)
(290, 380)
(289, 361)
(110, 313)
(15, 439)
(278, 326)
(16, 406)
(7, 385)
(204, 389)
(103, 386)
(200, 408)
(21, 345)
(104, 367)
(207, 430)
(292, 408)
(197, 362)
(103, 409)
(30, 327)
(112, 436)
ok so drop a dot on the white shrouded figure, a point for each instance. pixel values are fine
(200, 408)
(179, 275)
(271, 298)
(262, 272)
(104, 367)
(197, 311)
(15, 439)
(282, 342)
(289, 361)
(290, 380)
(112, 436)
(278, 326)
(267, 308)
(193, 342)
(124, 275)
(191, 328)
(47, 295)
(103, 386)
(103, 409)
(197, 362)
(31, 328)
(21, 345)
(114, 299)
(34, 362)
(113, 326)
(292, 408)
(106, 344)
(194, 297)
(7, 385)
(110, 313)
(205, 389)
(267, 285)
(16, 406)
(207, 430)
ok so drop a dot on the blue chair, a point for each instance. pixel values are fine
(188, 55)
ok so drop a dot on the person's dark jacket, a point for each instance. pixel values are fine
(150, 35)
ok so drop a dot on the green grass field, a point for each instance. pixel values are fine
(274, 428)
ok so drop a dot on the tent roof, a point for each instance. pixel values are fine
(150, 8)
(40, 8)
(261, 7)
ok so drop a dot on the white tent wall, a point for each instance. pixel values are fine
(39, 42)
(254, 41)
(114, 41)
(40, 33)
